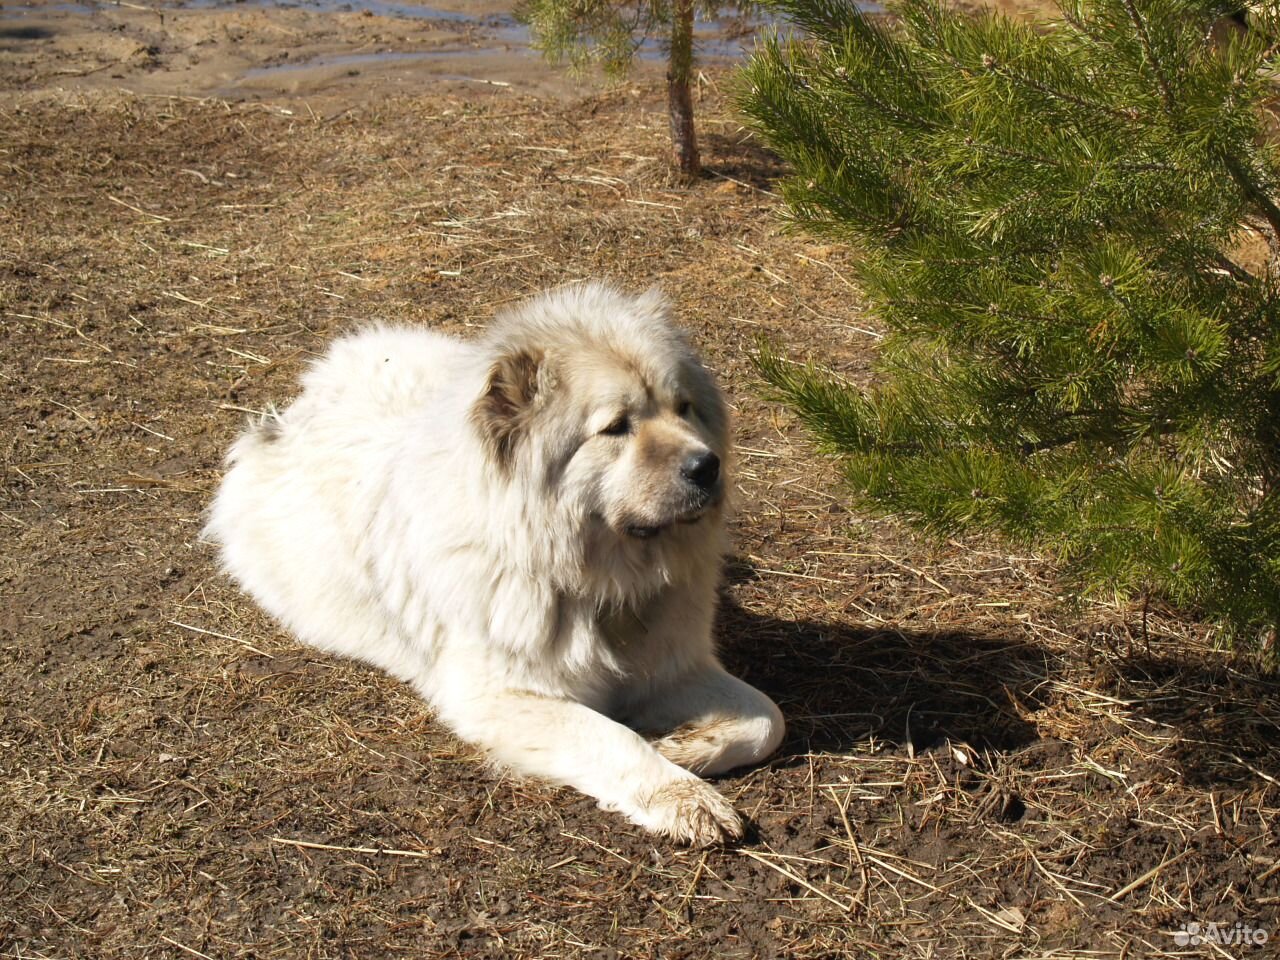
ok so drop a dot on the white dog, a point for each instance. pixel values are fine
(528, 529)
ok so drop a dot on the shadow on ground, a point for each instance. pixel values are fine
(24, 33)
(1227, 712)
(1217, 722)
(742, 157)
(841, 685)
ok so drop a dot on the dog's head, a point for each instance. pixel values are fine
(595, 398)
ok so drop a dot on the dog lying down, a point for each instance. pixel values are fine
(528, 528)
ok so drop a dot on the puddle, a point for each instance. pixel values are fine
(512, 38)
(722, 38)
(381, 8)
(263, 48)
(716, 39)
(20, 10)
(719, 37)
(353, 61)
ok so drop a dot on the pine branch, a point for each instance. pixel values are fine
(1255, 193)
(903, 117)
(1126, 115)
(1144, 38)
(1008, 153)
(1077, 357)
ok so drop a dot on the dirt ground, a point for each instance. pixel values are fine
(358, 50)
(974, 768)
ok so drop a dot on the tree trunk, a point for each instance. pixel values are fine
(684, 140)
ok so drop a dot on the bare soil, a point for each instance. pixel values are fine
(976, 767)
(249, 49)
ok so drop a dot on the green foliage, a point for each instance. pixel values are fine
(591, 32)
(1049, 221)
(582, 34)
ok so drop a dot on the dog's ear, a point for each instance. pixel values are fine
(510, 396)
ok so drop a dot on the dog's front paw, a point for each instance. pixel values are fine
(692, 812)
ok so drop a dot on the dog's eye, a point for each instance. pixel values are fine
(684, 408)
(619, 426)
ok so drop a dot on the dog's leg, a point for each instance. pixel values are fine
(569, 743)
(715, 721)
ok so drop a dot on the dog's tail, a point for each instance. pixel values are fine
(261, 430)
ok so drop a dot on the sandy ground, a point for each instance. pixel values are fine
(261, 50)
(356, 51)
(973, 767)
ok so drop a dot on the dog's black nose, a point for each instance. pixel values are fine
(701, 469)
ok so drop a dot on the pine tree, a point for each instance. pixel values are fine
(1053, 224)
(581, 33)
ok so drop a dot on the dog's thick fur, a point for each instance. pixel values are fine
(528, 528)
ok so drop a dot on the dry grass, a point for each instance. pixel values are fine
(974, 770)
